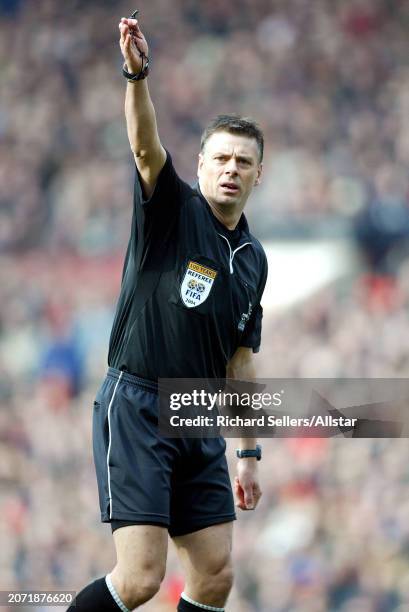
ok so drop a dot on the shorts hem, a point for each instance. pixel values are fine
(138, 518)
(118, 524)
(181, 530)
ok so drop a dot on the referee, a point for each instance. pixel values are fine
(189, 307)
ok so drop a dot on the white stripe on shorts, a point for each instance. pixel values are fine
(109, 444)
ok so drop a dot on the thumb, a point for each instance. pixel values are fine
(248, 499)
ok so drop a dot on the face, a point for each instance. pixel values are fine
(228, 169)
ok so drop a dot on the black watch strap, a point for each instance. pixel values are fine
(140, 75)
(249, 452)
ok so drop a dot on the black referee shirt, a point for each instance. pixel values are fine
(208, 285)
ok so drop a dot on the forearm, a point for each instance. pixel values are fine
(140, 119)
(242, 368)
(247, 444)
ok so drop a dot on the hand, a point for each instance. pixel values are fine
(246, 485)
(132, 41)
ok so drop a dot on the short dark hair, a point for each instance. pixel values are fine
(234, 124)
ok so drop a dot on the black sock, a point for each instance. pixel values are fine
(94, 598)
(188, 606)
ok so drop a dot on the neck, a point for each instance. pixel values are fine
(229, 216)
(229, 219)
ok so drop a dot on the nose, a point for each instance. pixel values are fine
(231, 166)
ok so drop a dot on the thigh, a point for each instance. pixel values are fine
(206, 552)
(141, 550)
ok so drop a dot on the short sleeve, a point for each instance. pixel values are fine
(167, 192)
(251, 337)
(153, 219)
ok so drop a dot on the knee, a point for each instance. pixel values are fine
(135, 590)
(218, 581)
(225, 579)
(143, 589)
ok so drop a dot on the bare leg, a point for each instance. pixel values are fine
(206, 559)
(141, 562)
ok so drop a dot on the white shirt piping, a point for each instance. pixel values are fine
(232, 253)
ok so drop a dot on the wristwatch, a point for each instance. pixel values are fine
(249, 452)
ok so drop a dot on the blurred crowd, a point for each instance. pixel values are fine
(328, 82)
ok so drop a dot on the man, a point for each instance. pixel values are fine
(168, 326)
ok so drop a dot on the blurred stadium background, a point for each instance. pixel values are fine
(328, 81)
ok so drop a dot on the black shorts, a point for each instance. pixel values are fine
(143, 478)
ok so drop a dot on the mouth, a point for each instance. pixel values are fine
(229, 187)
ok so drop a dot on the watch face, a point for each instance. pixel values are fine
(255, 452)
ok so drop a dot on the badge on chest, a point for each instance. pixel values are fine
(197, 284)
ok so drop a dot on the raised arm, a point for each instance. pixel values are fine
(150, 156)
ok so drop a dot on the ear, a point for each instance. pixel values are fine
(258, 177)
(200, 163)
